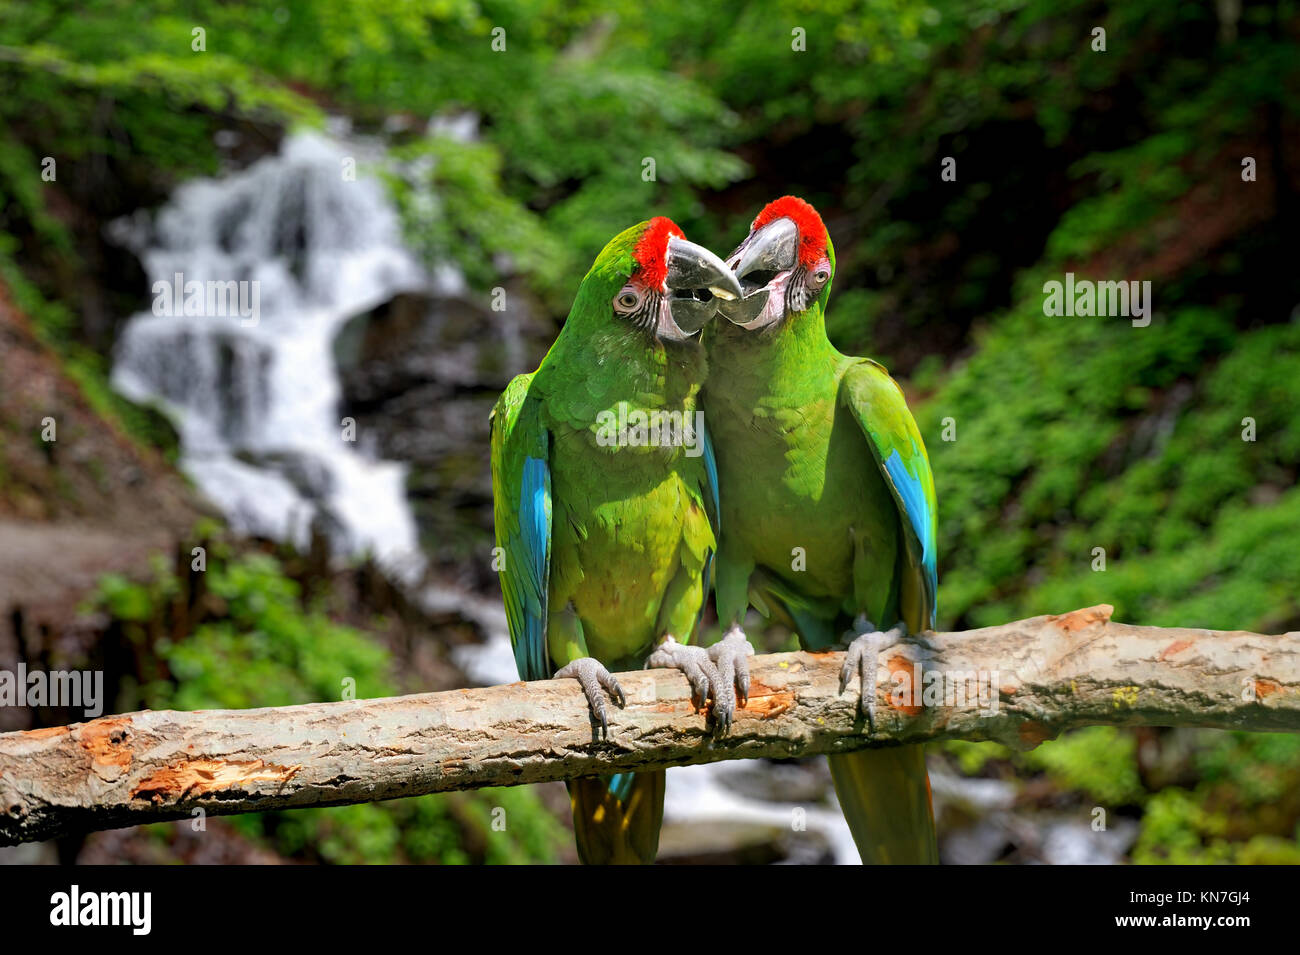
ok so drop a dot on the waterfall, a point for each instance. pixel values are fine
(254, 391)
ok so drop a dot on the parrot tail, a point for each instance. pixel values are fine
(616, 819)
(885, 796)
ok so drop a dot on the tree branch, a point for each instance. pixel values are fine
(1047, 674)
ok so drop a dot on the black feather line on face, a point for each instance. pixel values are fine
(646, 317)
(797, 294)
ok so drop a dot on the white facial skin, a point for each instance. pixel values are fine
(773, 309)
(697, 280)
(650, 309)
(790, 291)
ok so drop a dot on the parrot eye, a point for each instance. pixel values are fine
(820, 277)
(628, 300)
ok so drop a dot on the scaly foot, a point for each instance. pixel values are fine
(591, 676)
(703, 676)
(731, 655)
(863, 655)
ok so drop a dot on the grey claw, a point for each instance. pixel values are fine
(731, 655)
(863, 656)
(851, 658)
(703, 676)
(591, 676)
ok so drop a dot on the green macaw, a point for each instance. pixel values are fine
(607, 520)
(828, 505)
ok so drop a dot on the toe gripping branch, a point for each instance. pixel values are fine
(720, 672)
(592, 676)
(863, 656)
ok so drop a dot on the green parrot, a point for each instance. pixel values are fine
(828, 506)
(605, 504)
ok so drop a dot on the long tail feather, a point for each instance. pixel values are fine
(885, 796)
(616, 819)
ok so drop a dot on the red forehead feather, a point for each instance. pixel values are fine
(652, 250)
(812, 232)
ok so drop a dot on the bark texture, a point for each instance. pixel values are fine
(1020, 683)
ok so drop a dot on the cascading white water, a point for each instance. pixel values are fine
(256, 404)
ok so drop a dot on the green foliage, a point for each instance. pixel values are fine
(1100, 761)
(449, 829)
(583, 94)
(1176, 828)
(1243, 809)
(971, 757)
(1082, 433)
(1078, 433)
(1072, 434)
(266, 649)
(459, 213)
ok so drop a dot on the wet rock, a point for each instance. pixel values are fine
(1072, 842)
(719, 794)
(420, 373)
(789, 781)
(1038, 838)
(450, 342)
(740, 843)
(971, 795)
(30, 853)
(980, 843)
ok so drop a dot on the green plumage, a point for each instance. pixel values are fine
(828, 512)
(628, 536)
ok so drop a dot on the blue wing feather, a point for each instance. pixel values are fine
(711, 468)
(715, 513)
(535, 530)
(911, 493)
(891, 432)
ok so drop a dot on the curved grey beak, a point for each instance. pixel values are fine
(697, 281)
(772, 249)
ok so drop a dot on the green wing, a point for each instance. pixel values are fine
(521, 498)
(713, 508)
(878, 404)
